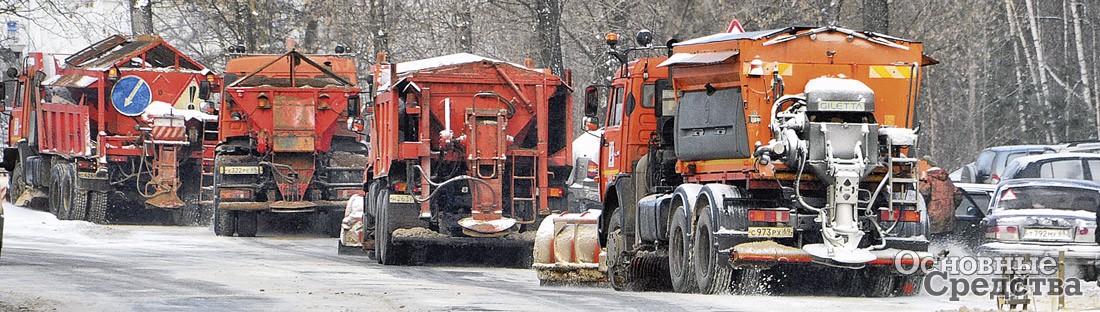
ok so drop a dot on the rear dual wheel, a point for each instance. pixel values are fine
(680, 266)
(713, 275)
(63, 191)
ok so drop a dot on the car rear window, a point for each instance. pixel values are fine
(1049, 197)
(1061, 169)
(1004, 159)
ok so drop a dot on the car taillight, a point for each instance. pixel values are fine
(593, 169)
(1002, 232)
(775, 216)
(899, 215)
(1086, 232)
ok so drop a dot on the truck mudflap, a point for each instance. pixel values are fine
(770, 253)
(567, 248)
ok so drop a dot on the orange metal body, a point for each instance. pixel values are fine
(892, 71)
(290, 112)
(499, 112)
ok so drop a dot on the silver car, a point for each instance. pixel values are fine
(1043, 217)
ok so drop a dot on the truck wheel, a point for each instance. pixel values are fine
(679, 253)
(713, 275)
(189, 191)
(80, 205)
(52, 200)
(97, 208)
(616, 245)
(383, 235)
(225, 221)
(65, 192)
(246, 223)
(15, 183)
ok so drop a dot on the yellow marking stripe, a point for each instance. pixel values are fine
(897, 72)
(785, 69)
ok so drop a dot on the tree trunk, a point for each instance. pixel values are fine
(141, 17)
(548, 32)
(876, 16)
(1044, 89)
(464, 20)
(378, 31)
(831, 12)
(1082, 64)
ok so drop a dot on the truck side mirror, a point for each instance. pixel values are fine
(591, 123)
(12, 72)
(204, 90)
(591, 101)
(353, 106)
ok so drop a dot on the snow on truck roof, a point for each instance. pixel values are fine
(756, 35)
(447, 60)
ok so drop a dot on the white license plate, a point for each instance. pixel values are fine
(401, 199)
(241, 170)
(771, 231)
(1034, 233)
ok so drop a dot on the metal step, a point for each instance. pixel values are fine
(903, 180)
(903, 160)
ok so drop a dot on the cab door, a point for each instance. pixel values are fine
(612, 143)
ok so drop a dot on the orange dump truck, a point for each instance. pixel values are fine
(117, 125)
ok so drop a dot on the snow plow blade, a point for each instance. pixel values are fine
(567, 249)
(165, 200)
(419, 246)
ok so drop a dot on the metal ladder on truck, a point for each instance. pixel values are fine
(209, 142)
(526, 191)
(904, 174)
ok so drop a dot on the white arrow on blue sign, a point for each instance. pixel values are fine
(131, 95)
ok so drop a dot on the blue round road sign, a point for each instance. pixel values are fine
(131, 95)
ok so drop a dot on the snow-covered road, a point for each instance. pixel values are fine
(51, 265)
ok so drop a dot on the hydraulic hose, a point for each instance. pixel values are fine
(449, 181)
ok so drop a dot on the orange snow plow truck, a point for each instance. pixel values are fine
(467, 153)
(786, 151)
(117, 125)
(285, 143)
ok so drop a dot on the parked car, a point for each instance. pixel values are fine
(972, 209)
(992, 161)
(1079, 147)
(584, 191)
(1040, 217)
(1073, 166)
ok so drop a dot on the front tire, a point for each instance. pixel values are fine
(616, 247)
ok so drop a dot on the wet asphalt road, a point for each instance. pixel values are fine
(51, 265)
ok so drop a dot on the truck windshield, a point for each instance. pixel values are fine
(1049, 197)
